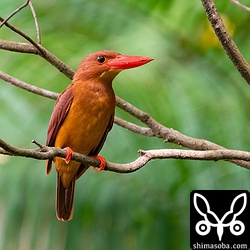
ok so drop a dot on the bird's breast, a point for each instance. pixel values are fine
(87, 119)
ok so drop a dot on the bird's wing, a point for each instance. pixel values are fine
(59, 114)
(97, 149)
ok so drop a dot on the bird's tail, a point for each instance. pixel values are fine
(65, 200)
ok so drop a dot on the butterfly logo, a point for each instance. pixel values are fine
(210, 219)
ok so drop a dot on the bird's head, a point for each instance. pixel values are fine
(106, 64)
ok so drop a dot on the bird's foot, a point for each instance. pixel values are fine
(69, 155)
(102, 165)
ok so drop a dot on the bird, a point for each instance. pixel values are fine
(82, 117)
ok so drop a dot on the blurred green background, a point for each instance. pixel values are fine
(191, 86)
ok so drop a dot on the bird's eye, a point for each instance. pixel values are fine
(101, 59)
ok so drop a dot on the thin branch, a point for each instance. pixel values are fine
(38, 33)
(44, 53)
(52, 95)
(38, 144)
(28, 2)
(41, 51)
(155, 129)
(31, 88)
(43, 153)
(171, 135)
(19, 32)
(226, 40)
(242, 6)
(14, 12)
(148, 155)
(133, 127)
(18, 47)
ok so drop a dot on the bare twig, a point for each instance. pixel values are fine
(41, 51)
(14, 12)
(154, 128)
(148, 155)
(38, 33)
(19, 32)
(226, 40)
(43, 153)
(44, 53)
(18, 47)
(38, 144)
(171, 135)
(133, 127)
(28, 2)
(31, 88)
(242, 6)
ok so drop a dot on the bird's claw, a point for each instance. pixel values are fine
(69, 155)
(102, 165)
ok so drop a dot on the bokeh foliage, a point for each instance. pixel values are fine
(191, 86)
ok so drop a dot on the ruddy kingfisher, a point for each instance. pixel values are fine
(82, 117)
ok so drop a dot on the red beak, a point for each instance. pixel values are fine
(128, 62)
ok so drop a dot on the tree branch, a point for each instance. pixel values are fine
(14, 12)
(153, 127)
(18, 47)
(226, 40)
(44, 53)
(31, 88)
(171, 135)
(43, 153)
(204, 150)
(148, 155)
(38, 34)
(133, 127)
(19, 32)
(242, 6)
